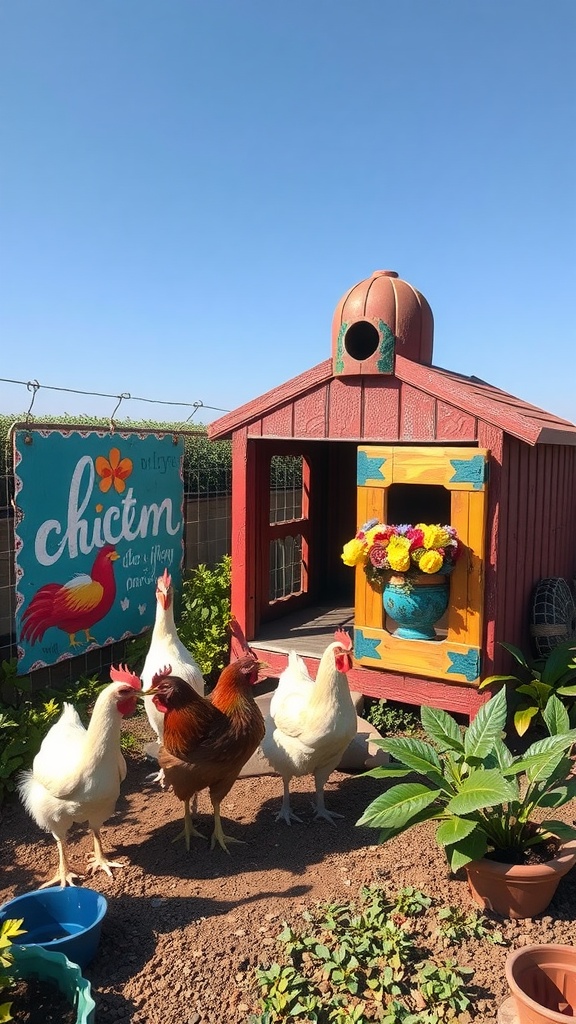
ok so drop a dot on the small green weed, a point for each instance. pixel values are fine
(443, 989)
(456, 926)
(391, 718)
(350, 964)
(411, 902)
(128, 741)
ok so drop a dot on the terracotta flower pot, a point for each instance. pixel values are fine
(518, 890)
(542, 980)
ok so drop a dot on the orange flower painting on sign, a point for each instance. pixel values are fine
(113, 471)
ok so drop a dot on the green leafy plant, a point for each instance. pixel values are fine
(203, 626)
(443, 988)
(554, 675)
(483, 797)
(389, 717)
(411, 902)
(350, 963)
(456, 925)
(9, 930)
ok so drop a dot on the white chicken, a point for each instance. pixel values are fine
(166, 648)
(311, 723)
(76, 774)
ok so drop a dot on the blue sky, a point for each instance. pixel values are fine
(187, 187)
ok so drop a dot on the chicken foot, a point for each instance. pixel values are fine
(98, 860)
(285, 813)
(189, 829)
(320, 779)
(218, 835)
(64, 875)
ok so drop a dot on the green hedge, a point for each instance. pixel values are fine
(207, 464)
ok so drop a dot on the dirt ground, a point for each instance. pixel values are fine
(185, 931)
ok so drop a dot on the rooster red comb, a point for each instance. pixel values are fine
(161, 674)
(122, 674)
(344, 639)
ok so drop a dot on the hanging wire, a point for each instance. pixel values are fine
(197, 405)
(125, 394)
(34, 385)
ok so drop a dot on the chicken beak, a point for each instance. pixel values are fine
(113, 556)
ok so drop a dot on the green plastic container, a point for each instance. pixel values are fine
(37, 962)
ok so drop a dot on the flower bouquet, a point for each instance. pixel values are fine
(409, 551)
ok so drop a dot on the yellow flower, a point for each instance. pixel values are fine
(434, 536)
(354, 552)
(371, 535)
(431, 562)
(398, 554)
(113, 470)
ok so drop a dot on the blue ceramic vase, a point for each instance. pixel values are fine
(416, 606)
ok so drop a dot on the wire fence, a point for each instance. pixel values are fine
(207, 528)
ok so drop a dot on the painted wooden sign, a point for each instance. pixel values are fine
(99, 517)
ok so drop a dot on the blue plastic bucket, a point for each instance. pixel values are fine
(65, 921)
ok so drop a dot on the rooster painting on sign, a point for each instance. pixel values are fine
(311, 723)
(75, 606)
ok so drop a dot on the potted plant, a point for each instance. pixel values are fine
(487, 803)
(554, 675)
(411, 565)
(19, 963)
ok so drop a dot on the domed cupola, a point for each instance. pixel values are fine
(376, 320)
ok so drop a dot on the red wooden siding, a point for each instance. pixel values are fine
(536, 536)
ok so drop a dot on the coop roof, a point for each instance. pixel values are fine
(469, 394)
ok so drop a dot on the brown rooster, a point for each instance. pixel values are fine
(208, 742)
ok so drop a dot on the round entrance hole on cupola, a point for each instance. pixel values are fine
(361, 339)
(378, 319)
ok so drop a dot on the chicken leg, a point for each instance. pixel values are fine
(98, 860)
(321, 776)
(64, 876)
(218, 835)
(285, 813)
(189, 829)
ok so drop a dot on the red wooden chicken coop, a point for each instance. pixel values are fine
(377, 431)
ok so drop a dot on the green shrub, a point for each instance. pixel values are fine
(205, 618)
(390, 717)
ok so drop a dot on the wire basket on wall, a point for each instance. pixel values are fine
(553, 619)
